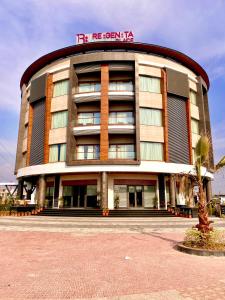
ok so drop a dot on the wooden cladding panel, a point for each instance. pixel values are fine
(29, 133)
(49, 93)
(165, 114)
(104, 136)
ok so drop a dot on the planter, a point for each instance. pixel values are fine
(196, 251)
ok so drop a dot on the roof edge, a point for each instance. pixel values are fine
(142, 47)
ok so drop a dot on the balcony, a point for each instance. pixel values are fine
(87, 123)
(87, 92)
(121, 90)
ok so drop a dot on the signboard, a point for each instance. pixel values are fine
(122, 36)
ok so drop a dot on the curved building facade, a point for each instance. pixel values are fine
(111, 123)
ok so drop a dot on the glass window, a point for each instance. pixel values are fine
(121, 86)
(193, 97)
(59, 119)
(150, 84)
(150, 196)
(151, 151)
(57, 153)
(121, 151)
(61, 88)
(88, 152)
(194, 126)
(121, 117)
(91, 190)
(89, 118)
(149, 116)
(67, 191)
(88, 87)
(120, 195)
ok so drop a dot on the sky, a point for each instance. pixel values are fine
(32, 28)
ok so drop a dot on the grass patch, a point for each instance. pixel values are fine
(213, 240)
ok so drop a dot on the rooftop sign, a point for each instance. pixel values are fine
(123, 36)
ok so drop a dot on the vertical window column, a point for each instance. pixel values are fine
(165, 114)
(104, 136)
(49, 92)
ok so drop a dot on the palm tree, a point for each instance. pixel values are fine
(202, 153)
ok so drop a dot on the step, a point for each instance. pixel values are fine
(98, 213)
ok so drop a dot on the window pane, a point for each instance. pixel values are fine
(193, 97)
(59, 119)
(194, 126)
(150, 116)
(67, 191)
(121, 86)
(62, 152)
(88, 152)
(150, 84)
(91, 190)
(151, 151)
(61, 88)
(121, 118)
(53, 153)
(89, 87)
(120, 195)
(150, 196)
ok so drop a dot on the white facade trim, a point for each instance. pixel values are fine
(144, 167)
(85, 130)
(120, 93)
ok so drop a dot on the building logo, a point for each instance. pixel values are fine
(122, 36)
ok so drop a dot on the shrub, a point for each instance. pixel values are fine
(212, 240)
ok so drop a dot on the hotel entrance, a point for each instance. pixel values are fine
(136, 196)
(80, 196)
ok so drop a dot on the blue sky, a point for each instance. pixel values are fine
(32, 28)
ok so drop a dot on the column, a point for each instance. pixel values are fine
(42, 189)
(104, 137)
(20, 189)
(172, 191)
(104, 189)
(208, 190)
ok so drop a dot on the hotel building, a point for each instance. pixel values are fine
(111, 123)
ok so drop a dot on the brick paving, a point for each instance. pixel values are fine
(42, 261)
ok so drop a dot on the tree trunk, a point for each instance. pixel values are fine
(204, 223)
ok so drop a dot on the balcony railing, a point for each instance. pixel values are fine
(121, 155)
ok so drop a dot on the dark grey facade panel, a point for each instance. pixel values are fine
(37, 138)
(38, 88)
(177, 130)
(177, 83)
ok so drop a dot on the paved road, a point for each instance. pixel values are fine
(94, 225)
(104, 258)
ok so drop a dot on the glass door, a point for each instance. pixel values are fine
(131, 195)
(139, 196)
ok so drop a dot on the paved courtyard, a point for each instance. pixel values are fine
(104, 258)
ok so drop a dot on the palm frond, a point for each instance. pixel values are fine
(220, 164)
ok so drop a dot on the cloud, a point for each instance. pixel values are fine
(32, 28)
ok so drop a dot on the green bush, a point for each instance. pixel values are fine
(213, 240)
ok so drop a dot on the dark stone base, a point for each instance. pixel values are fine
(201, 252)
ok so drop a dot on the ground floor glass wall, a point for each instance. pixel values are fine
(80, 196)
(135, 196)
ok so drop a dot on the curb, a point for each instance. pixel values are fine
(200, 252)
